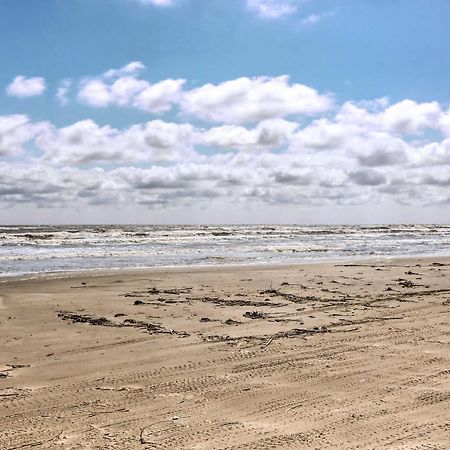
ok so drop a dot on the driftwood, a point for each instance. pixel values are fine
(268, 342)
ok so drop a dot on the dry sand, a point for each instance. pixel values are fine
(313, 356)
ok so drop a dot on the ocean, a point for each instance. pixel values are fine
(45, 249)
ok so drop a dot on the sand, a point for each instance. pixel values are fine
(318, 356)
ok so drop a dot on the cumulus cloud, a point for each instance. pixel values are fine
(405, 117)
(15, 131)
(86, 142)
(253, 99)
(271, 133)
(45, 186)
(121, 87)
(156, 141)
(95, 93)
(431, 154)
(444, 123)
(321, 134)
(297, 176)
(232, 177)
(235, 101)
(381, 149)
(82, 142)
(272, 9)
(357, 154)
(26, 87)
(410, 117)
(159, 97)
(367, 177)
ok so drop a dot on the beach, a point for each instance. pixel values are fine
(339, 355)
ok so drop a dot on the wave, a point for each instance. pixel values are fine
(44, 248)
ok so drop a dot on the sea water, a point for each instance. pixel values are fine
(42, 249)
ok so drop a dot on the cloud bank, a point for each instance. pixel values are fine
(261, 140)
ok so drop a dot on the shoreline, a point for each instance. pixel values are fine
(345, 355)
(101, 272)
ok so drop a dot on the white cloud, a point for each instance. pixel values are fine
(444, 123)
(235, 178)
(321, 135)
(381, 149)
(405, 117)
(363, 153)
(271, 133)
(159, 141)
(265, 9)
(159, 97)
(63, 89)
(132, 68)
(158, 2)
(410, 117)
(273, 9)
(253, 99)
(120, 87)
(17, 130)
(312, 19)
(95, 93)
(26, 87)
(45, 186)
(432, 154)
(367, 177)
(86, 142)
(235, 101)
(81, 142)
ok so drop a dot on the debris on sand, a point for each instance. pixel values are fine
(231, 322)
(254, 315)
(293, 333)
(270, 291)
(149, 327)
(288, 296)
(236, 302)
(155, 291)
(406, 283)
(176, 291)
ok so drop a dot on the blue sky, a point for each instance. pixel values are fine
(155, 148)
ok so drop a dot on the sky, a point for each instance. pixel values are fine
(224, 111)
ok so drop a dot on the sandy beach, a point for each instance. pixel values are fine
(333, 355)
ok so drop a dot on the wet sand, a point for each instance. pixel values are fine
(339, 356)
